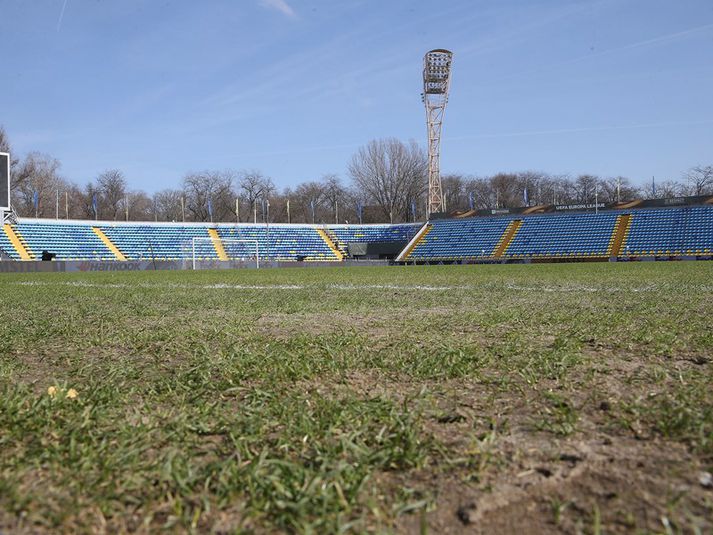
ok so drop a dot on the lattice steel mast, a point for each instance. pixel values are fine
(436, 82)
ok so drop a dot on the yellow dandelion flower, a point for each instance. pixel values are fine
(72, 393)
(52, 391)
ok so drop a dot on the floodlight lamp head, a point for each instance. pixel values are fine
(437, 71)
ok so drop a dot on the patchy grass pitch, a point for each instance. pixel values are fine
(541, 398)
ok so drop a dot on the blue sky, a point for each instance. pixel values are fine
(294, 87)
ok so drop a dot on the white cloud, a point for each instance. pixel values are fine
(280, 5)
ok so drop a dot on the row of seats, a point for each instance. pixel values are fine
(162, 242)
(6, 248)
(445, 239)
(563, 235)
(652, 232)
(671, 231)
(68, 242)
(285, 242)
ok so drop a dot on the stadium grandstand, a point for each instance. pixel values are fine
(73, 240)
(641, 230)
(641, 233)
(620, 233)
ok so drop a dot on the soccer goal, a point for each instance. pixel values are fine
(203, 250)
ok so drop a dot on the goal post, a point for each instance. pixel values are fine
(235, 249)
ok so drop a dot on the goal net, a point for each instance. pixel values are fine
(205, 252)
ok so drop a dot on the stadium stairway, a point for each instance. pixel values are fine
(335, 239)
(618, 238)
(425, 229)
(217, 244)
(113, 248)
(18, 243)
(330, 243)
(507, 238)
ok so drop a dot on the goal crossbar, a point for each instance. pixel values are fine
(223, 241)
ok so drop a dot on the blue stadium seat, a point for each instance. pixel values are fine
(6, 247)
(563, 235)
(671, 232)
(167, 241)
(287, 242)
(655, 232)
(460, 239)
(67, 241)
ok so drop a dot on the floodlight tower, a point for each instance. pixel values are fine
(436, 82)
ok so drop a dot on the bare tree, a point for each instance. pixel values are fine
(454, 193)
(506, 190)
(4, 140)
(141, 206)
(663, 189)
(348, 206)
(278, 207)
(537, 184)
(586, 188)
(546, 191)
(167, 205)
(565, 190)
(615, 189)
(483, 196)
(333, 194)
(308, 199)
(700, 180)
(89, 201)
(390, 174)
(254, 187)
(209, 191)
(111, 189)
(37, 183)
(71, 203)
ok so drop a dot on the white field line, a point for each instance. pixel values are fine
(428, 288)
(357, 287)
(220, 286)
(223, 286)
(581, 289)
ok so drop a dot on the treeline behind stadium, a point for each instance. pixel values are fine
(387, 182)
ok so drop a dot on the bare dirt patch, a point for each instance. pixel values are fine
(497, 472)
